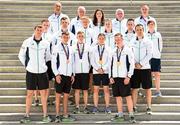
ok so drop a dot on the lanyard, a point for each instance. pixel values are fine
(119, 54)
(100, 52)
(66, 52)
(80, 52)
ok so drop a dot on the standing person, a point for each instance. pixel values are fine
(109, 34)
(142, 48)
(76, 22)
(99, 60)
(119, 23)
(34, 54)
(82, 66)
(55, 18)
(130, 33)
(62, 66)
(121, 69)
(98, 23)
(156, 39)
(143, 19)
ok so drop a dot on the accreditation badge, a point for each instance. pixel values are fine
(100, 62)
(118, 63)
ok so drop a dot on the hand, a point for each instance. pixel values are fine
(72, 79)
(138, 66)
(100, 71)
(126, 81)
(58, 79)
(111, 81)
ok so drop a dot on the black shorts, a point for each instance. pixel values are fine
(81, 81)
(99, 79)
(36, 81)
(143, 77)
(49, 71)
(119, 89)
(64, 86)
(155, 65)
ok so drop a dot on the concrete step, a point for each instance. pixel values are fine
(98, 118)
(22, 91)
(167, 99)
(170, 56)
(20, 108)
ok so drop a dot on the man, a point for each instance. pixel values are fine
(34, 54)
(55, 18)
(156, 39)
(81, 66)
(121, 69)
(142, 48)
(62, 66)
(99, 61)
(143, 19)
(119, 23)
(76, 22)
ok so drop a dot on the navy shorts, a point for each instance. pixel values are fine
(81, 81)
(155, 65)
(100, 79)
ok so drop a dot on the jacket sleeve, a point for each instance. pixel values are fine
(93, 61)
(54, 61)
(105, 67)
(131, 62)
(48, 53)
(160, 42)
(148, 52)
(22, 53)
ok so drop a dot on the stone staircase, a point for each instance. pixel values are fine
(17, 19)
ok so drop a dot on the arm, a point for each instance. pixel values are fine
(22, 53)
(54, 61)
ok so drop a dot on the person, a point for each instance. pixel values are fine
(156, 39)
(62, 66)
(76, 22)
(99, 62)
(130, 33)
(119, 22)
(64, 28)
(82, 66)
(34, 54)
(143, 19)
(98, 23)
(142, 48)
(121, 68)
(55, 18)
(109, 34)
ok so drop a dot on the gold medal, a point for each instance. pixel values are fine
(100, 62)
(118, 63)
(67, 61)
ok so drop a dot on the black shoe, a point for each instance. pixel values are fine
(76, 110)
(57, 119)
(132, 119)
(149, 111)
(86, 110)
(135, 109)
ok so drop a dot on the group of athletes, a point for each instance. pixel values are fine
(86, 54)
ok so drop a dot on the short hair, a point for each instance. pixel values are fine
(58, 2)
(108, 20)
(80, 32)
(150, 21)
(145, 5)
(85, 17)
(101, 34)
(130, 19)
(64, 18)
(120, 10)
(37, 26)
(65, 33)
(139, 25)
(45, 20)
(81, 7)
(118, 34)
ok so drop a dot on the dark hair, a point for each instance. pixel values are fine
(139, 25)
(101, 34)
(118, 34)
(95, 22)
(150, 21)
(65, 33)
(64, 18)
(130, 19)
(45, 20)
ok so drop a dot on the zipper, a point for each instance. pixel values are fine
(38, 56)
(139, 52)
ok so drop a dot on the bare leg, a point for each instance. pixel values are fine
(65, 103)
(58, 98)
(44, 101)
(96, 95)
(29, 101)
(107, 95)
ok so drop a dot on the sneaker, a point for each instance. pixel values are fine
(107, 110)
(118, 118)
(86, 111)
(36, 102)
(135, 109)
(149, 111)
(68, 119)
(76, 110)
(158, 94)
(57, 119)
(46, 119)
(25, 120)
(132, 119)
(95, 110)
(48, 102)
(141, 94)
